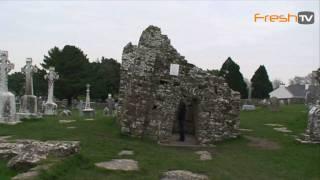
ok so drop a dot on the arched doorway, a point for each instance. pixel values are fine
(184, 127)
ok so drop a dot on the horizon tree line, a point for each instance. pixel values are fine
(75, 71)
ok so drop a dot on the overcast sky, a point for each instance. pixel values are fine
(205, 32)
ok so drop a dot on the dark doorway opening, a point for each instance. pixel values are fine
(184, 127)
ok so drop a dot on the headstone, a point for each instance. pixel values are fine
(88, 111)
(274, 104)
(50, 107)
(66, 112)
(7, 99)
(248, 106)
(28, 103)
(110, 108)
(312, 133)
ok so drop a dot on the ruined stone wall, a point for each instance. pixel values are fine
(149, 95)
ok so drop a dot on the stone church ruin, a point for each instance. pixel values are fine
(162, 95)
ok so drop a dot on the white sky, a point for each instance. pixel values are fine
(205, 32)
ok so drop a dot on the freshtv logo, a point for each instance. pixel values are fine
(302, 17)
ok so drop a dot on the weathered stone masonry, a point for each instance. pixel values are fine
(149, 95)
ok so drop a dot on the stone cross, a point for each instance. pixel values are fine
(51, 76)
(250, 92)
(28, 70)
(5, 67)
(87, 105)
(316, 75)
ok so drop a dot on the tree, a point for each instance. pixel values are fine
(16, 82)
(231, 72)
(105, 78)
(276, 83)
(302, 80)
(73, 67)
(261, 85)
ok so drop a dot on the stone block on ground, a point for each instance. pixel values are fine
(63, 121)
(204, 155)
(183, 175)
(126, 153)
(119, 164)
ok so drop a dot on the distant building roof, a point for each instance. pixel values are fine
(294, 91)
(297, 90)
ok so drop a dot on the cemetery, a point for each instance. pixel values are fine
(170, 120)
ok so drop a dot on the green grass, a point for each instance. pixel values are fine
(233, 159)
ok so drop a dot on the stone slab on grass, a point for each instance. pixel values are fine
(274, 125)
(66, 121)
(183, 175)
(204, 155)
(126, 153)
(282, 129)
(119, 164)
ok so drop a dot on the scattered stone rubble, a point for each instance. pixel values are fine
(24, 154)
(155, 78)
(183, 175)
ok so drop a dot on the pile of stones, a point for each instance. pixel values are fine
(25, 154)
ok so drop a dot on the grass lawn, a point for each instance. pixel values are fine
(234, 159)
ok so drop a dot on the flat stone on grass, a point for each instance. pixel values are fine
(66, 121)
(182, 175)
(71, 127)
(26, 176)
(274, 125)
(32, 173)
(282, 129)
(126, 153)
(204, 155)
(119, 164)
(89, 119)
(245, 130)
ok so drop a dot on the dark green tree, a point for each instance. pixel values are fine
(16, 83)
(261, 85)
(40, 85)
(73, 67)
(105, 78)
(231, 72)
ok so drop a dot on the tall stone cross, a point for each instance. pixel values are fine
(316, 75)
(28, 70)
(51, 77)
(87, 105)
(5, 68)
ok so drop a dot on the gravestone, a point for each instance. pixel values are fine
(88, 111)
(7, 99)
(50, 107)
(312, 133)
(28, 103)
(249, 106)
(274, 104)
(109, 109)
